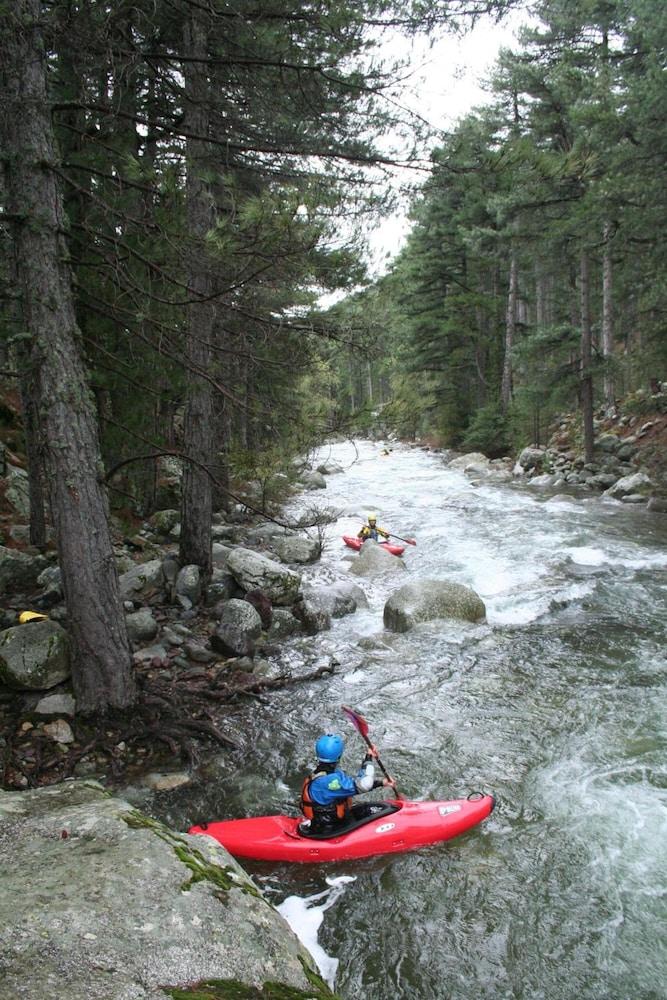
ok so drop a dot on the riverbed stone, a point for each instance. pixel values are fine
(162, 521)
(102, 903)
(472, 458)
(313, 480)
(373, 559)
(34, 657)
(220, 554)
(253, 571)
(658, 505)
(56, 704)
(283, 624)
(232, 640)
(531, 458)
(431, 599)
(221, 588)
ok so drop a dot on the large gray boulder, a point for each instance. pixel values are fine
(188, 585)
(283, 624)
(531, 458)
(141, 626)
(313, 480)
(19, 570)
(143, 581)
(253, 571)
(338, 599)
(102, 903)
(231, 640)
(243, 615)
(34, 657)
(638, 482)
(429, 600)
(472, 458)
(373, 559)
(296, 549)
(163, 521)
(17, 490)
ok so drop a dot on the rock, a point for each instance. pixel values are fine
(603, 480)
(627, 451)
(295, 549)
(56, 704)
(531, 458)
(162, 521)
(141, 626)
(658, 505)
(544, 480)
(313, 480)
(638, 482)
(243, 615)
(633, 498)
(101, 903)
(262, 605)
(255, 572)
(171, 637)
(431, 599)
(374, 559)
(17, 491)
(50, 580)
(221, 588)
(608, 442)
(19, 570)
(34, 657)
(219, 555)
(146, 580)
(473, 458)
(313, 614)
(148, 653)
(230, 640)
(161, 781)
(198, 653)
(337, 599)
(329, 468)
(188, 584)
(283, 624)
(60, 731)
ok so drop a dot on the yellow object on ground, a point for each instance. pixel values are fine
(32, 616)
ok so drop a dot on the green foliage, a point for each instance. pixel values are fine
(488, 431)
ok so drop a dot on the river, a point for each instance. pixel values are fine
(556, 704)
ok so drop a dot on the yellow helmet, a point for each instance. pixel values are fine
(372, 518)
(32, 616)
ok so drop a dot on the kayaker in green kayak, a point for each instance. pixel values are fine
(373, 530)
(326, 794)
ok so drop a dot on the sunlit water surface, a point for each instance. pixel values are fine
(556, 705)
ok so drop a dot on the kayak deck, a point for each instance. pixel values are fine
(411, 826)
(355, 543)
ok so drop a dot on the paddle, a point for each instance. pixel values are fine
(361, 726)
(408, 541)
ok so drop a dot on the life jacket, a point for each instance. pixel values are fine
(310, 809)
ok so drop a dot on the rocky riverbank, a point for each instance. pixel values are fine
(100, 902)
(630, 460)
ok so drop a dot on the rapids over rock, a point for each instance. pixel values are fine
(555, 704)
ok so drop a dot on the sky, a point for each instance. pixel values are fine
(446, 82)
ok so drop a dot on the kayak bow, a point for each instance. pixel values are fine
(409, 826)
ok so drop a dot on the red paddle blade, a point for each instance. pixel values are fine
(357, 720)
(411, 541)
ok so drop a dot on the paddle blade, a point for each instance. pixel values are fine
(411, 541)
(357, 720)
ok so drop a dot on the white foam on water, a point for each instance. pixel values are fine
(305, 917)
(586, 555)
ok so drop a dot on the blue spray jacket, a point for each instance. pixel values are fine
(328, 789)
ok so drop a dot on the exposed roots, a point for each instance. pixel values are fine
(173, 718)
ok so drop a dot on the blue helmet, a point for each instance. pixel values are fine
(329, 748)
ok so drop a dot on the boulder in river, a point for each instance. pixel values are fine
(374, 559)
(34, 657)
(253, 571)
(472, 459)
(427, 600)
(638, 482)
(102, 903)
(296, 549)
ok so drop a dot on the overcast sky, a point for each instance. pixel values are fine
(446, 82)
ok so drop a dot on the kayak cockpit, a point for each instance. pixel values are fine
(359, 815)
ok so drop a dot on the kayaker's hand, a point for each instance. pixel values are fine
(371, 752)
(389, 783)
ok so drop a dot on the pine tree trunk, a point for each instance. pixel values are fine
(198, 431)
(607, 318)
(101, 657)
(510, 330)
(586, 357)
(34, 455)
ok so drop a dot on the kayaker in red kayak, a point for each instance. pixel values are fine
(326, 794)
(373, 530)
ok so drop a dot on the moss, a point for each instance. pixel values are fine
(222, 876)
(232, 989)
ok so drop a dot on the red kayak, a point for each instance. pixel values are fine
(394, 826)
(356, 543)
